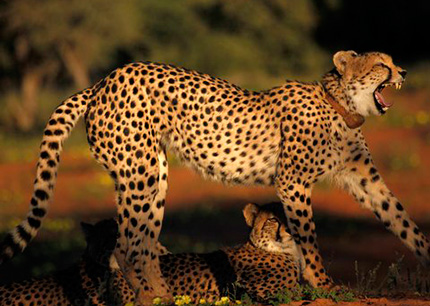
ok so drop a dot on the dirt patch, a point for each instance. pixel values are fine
(364, 302)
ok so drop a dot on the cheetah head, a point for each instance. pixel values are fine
(101, 241)
(364, 77)
(269, 231)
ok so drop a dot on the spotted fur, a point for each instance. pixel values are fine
(268, 262)
(289, 137)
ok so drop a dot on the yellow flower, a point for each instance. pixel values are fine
(182, 300)
(129, 304)
(238, 302)
(157, 301)
(225, 300)
(202, 301)
(186, 299)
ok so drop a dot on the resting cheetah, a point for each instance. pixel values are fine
(268, 262)
(290, 136)
(78, 285)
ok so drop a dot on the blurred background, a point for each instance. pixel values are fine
(50, 49)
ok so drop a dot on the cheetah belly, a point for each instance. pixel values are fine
(233, 158)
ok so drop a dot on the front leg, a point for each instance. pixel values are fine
(364, 182)
(295, 195)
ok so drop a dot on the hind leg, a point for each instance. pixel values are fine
(141, 195)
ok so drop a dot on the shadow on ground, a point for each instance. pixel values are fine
(343, 242)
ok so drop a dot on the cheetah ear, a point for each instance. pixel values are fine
(250, 212)
(341, 59)
(87, 229)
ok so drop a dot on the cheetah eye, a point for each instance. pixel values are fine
(380, 65)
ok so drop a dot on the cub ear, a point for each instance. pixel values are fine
(87, 229)
(341, 59)
(250, 212)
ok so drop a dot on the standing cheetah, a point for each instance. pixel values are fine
(290, 137)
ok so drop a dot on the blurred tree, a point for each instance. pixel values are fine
(41, 35)
(239, 38)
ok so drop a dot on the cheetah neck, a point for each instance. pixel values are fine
(337, 98)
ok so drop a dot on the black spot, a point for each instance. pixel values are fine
(399, 206)
(357, 157)
(23, 234)
(39, 212)
(145, 207)
(151, 181)
(53, 145)
(41, 194)
(34, 223)
(44, 155)
(385, 205)
(45, 175)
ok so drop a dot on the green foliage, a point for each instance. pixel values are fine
(230, 37)
(94, 29)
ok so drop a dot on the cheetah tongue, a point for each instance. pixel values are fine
(381, 100)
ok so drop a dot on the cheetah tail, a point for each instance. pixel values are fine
(59, 126)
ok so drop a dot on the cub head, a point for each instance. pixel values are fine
(364, 77)
(101, 241)
(269, 230)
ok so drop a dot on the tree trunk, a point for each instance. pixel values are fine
(24, 111)
(75, 66)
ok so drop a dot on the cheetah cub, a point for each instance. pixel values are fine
(80, 284)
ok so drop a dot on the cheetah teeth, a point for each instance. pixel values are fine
(398, 86)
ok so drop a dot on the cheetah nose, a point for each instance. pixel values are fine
(403, 73)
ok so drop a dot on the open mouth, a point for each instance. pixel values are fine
(381, 103)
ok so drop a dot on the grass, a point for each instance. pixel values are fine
(397, 281)
(307, 293)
